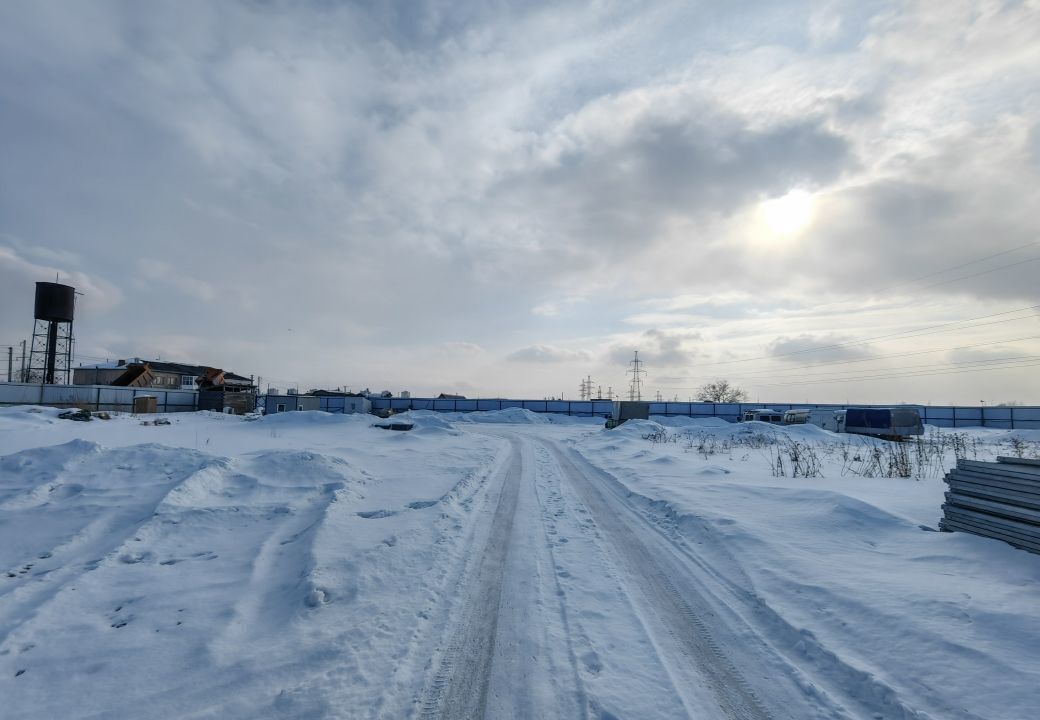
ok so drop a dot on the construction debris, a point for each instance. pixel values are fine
(394, 426)
(157, 421)
(998, 500)
(80, 415)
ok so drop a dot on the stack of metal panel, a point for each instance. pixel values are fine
(998, 500)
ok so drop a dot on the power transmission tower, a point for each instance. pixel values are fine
(610, 392)
(635, 386)
(659, 398)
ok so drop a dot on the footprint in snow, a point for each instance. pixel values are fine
(592, 662)
(316, 598)
(376, 514)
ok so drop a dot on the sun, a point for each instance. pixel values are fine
(788, 215)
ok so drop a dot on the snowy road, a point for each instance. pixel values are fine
(498, 565)
(573, 593)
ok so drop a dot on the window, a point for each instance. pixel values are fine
(187, 380)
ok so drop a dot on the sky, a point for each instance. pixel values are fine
(822, 202)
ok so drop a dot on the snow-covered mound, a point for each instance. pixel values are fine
(515, 416)
(140, 577)
(682, 421)
(425, 422)
(636, 429)
(27, 415)
(301, 418)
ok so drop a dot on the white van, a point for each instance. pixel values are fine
(763, 415)
(827, 418)
(798, 416)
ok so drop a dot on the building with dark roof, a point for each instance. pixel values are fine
(155, 373)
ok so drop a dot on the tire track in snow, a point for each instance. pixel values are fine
(534, 671)
(734, 696)
(860, 692)
(459, 688)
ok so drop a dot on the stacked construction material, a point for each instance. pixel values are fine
(998, 500)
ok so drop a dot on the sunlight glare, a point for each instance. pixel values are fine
(788, 215)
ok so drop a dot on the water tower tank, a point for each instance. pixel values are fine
(54, 302)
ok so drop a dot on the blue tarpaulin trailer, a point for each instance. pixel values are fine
(884, 422)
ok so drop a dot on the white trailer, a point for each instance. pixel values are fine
(827, 418)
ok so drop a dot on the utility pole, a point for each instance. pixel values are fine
(635, 386)
(23, 362)
(10, 363)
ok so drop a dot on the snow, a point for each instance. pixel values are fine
(504, 564)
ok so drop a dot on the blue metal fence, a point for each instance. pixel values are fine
(1020, 417)
(95, 397)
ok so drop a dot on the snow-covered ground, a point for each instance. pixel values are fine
(500, 565)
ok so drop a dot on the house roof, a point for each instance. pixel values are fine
(333, 393)
(110, 365)
(169, 367)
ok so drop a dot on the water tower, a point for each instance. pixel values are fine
(50, 359)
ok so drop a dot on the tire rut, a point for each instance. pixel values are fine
(458, 689)
(734, 696)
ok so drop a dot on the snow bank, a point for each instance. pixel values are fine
(682, 421)
(516, 416)
(636, 429)
(140, 577)
(305, 418)
(425, 422)
(847, 572)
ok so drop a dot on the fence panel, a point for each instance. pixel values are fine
(582, 408)
(95, 397)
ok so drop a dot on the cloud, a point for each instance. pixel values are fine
(547, 354)
(457, 349)
(657, 348)
(553, 308)
(96, 294)
(817, 348)
(387, 176)
(179, 278)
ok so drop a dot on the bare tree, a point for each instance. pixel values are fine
(721, 391)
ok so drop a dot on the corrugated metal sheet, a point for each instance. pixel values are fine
(998, 500)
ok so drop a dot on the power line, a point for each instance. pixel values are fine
(751, 374)
(952, 268)
(900, 376)
(869, 373)
(938, 272)
(983, 272)
(962, 265)
(909, 333)
(927, 366)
